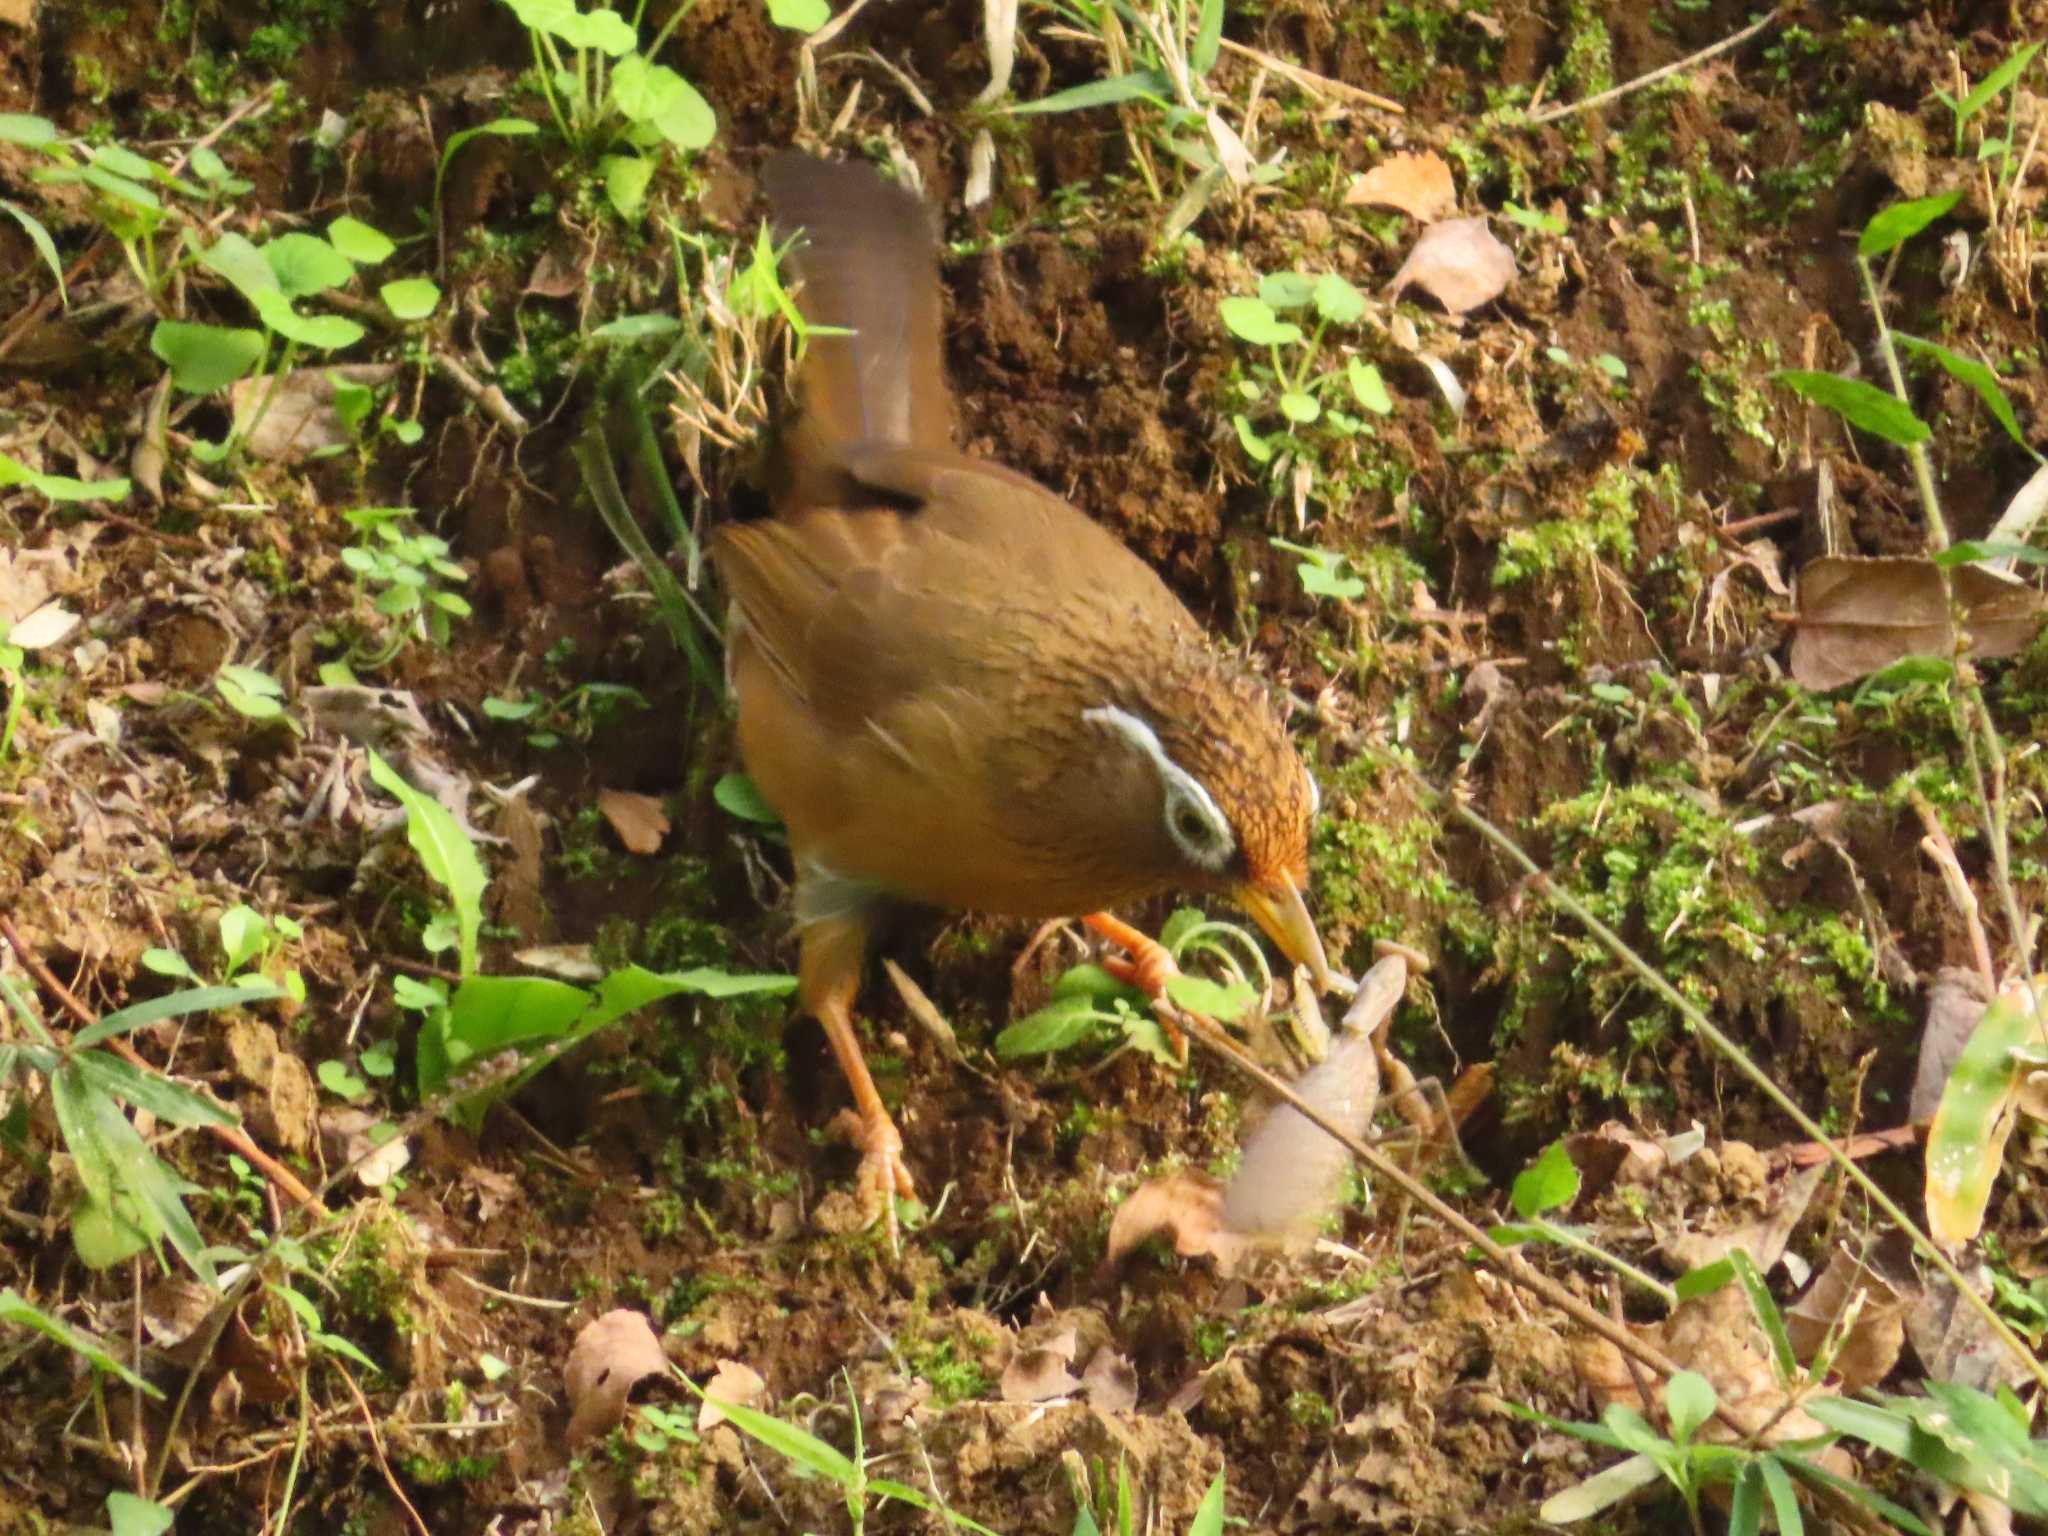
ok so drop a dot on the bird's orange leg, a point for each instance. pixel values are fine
(828, 980)
(1149, 967)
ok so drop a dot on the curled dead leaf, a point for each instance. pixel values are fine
(638, 819)
(1186, 1208)
(1040, 1374)
(1458, 262)
(610, 1356)
(1853, 1300)
(1858, 615)
(733, 1382)
(1110, 1381)
(1417, 184)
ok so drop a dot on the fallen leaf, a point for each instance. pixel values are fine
(731, 1383)
(1860, 614)
(1110, 1381)
(638, 819)
(300, 419)
(1870, 1347)
(610, 1356)
(1292, 1169)
(1459, 263)
(1763, 1239)
(1040, 1375)
(49, 625)
(1955, 1002)
(1184, 1207)
(1418, 184)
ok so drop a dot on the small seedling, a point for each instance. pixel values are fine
(406, 572)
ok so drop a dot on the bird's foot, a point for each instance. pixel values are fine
(1145, 964)
(884, 1177)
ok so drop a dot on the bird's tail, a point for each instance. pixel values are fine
(869, 263)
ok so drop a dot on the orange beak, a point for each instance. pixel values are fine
(1281, 912)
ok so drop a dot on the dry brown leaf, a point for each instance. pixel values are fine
(1292, 1169)
(1418, 184)
(1110, 1381)
(1040, 1374)
(1185, 1207)
(610, 1356)
(1459, 263)
(733, 1382)
(1955, 1002)
(1859, 614)
(638, 819)
(1874, 1339)
(299, 419)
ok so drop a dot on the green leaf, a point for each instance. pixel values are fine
(60, 487)
(1966, 1143)
(804, 16)
(1095, 984)
(1746, 1503)
(1286, 290)
(1976, 551)
(1145, 85)
(1337, 301)
(1784, 1498)
(445, 851)
(1984, 90)
(1764, 1307)
(1859, 404)
(39, 237)
(626, 179)
(656, 95)
(338, 1080)
(306, 265)
(168, 962)
(29, 131)
(1256, 447)
(1967, 370)
(250, 692)
(1208, 1519)
(1690, 1400)
(1061, 1023)
(1899, 223)
(411, 298)
(1548, 1184)
(1254, 321)
(1201, 995)
(1368, 388)
(1299, 408)
(205, 358)
(102, 1238)
(361, 243)
(491, 1013)
(242, 931)
(21, 1313)
(606, 31)
(170, 1102)
(131, 1516)
(174, 1005)
(738, 795)
(1329, 580)
(1533, 219)
(328, 333)
(798, 1445)
(1705, 1280)
(120, 188)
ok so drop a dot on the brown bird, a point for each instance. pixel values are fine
(954, 687)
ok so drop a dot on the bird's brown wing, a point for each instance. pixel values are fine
(863, 611)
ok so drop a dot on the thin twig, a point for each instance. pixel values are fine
(1689, 61)
(383, 1464)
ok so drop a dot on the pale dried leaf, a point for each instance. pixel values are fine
(1417, 184)
(1460, 263)
(1037, 1376)
(1860, 614)
(49, 625)
(1874, 1338)
(1293, 1170)
(1763, 1239)
(610, 1356)
(1186, 1208)
(638, 819)
(300, 419)
(1110, 1381)
(733, 1382)
(571, 962)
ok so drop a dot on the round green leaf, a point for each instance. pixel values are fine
(26, 129)
(361, 243)
(1286, 290)
(625, 183)
(410, 298)
(305, 264)
(1368, 388)
(804, 16)
(204, 358)
(1299, 408)
(1255, 322)
(1337, 301)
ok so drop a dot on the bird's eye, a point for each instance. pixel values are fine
(1187, 822)
(1195, 824)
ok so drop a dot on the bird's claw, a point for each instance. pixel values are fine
(884, 1177)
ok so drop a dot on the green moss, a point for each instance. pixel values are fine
(1599, 526)
(1382, 873)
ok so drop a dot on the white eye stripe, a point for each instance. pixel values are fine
(1194, 821)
